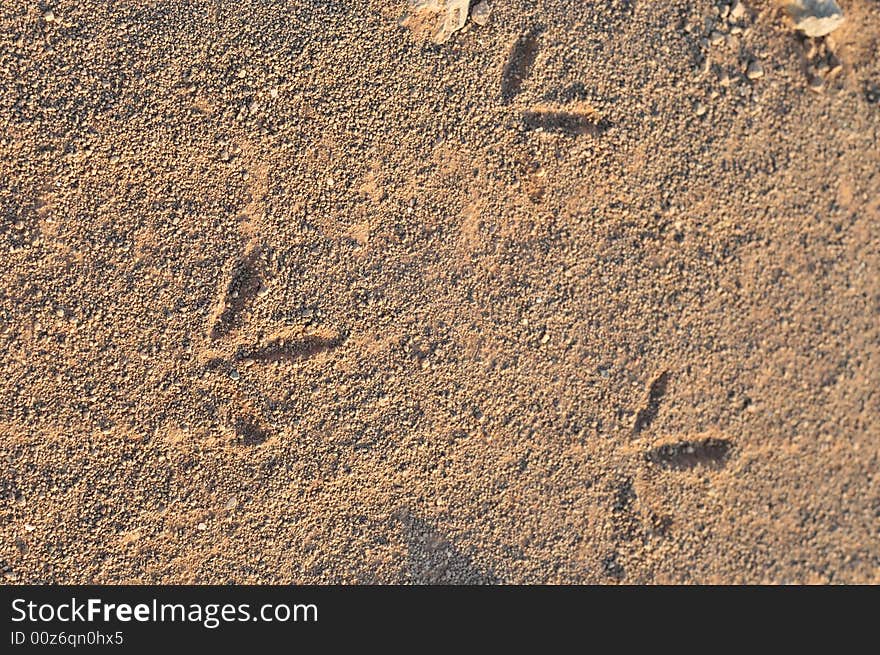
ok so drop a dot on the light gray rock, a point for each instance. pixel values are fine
(481, 13)
(453, 15)
(755, 70)
(816, 18)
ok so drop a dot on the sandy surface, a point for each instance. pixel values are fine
(292, 295)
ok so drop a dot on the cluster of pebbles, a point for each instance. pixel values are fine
(724, 33)
(723, 49)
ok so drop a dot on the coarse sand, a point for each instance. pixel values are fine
(292, 294)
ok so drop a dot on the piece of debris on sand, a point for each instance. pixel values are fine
(437, 18)
(815, 18)
(481, 13)
(572, 119)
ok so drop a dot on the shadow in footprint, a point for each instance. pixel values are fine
(285, 350)
(249, 432)
(564, 122)
(244, 285)
(683, 455)
(432, 560)
(647, 415)
(519, 64)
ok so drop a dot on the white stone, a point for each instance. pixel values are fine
(755, 71)
(453, 15)
(481, 13)
(816, 18)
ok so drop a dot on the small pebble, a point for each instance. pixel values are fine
(481, 13)
(716, 37)
(835, 64)
(49, 16)
(738, 10)
(202, 526)
(234, 375)
(816, 84)
(755, 71)
(700, 109)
